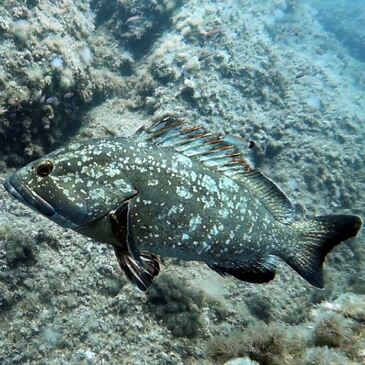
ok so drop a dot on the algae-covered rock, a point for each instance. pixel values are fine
(47, 77)
(346, 22)
(266, 72)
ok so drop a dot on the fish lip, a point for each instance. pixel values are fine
(21, 191)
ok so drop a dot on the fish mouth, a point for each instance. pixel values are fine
(20, 191)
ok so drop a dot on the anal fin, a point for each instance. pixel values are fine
(258, 272)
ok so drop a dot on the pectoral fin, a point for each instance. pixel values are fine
(139, 272)
(139, 267)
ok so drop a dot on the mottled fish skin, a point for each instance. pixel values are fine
(178, 207)
(182, 209)
(194, 213)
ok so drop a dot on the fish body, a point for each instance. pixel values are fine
(186, 210)
(175, 191)
(135, 18)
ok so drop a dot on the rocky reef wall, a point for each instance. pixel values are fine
(263, 71)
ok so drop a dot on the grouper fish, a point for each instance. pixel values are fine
(178, 191)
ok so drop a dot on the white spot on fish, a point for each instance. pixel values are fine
(153, 182)
(209, 184)
(182, 192)
(195, 223)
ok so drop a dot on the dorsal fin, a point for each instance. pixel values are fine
(212, 151)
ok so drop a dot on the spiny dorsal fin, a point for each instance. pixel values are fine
(212, 151)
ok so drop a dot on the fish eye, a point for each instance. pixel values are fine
(251, 144)
(44, 168)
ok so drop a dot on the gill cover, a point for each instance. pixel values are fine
(70, 186)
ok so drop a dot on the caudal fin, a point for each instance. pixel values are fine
(318, 237)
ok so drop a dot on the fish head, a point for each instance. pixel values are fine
(70, 186)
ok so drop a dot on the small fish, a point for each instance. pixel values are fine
(135, 18)
(204, 55)
(53, 100)
(213, 32)
(239, 142)
(68, 95)
(244, 146)
(179, 191)
(300, 75)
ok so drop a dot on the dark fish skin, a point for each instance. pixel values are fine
(180, 205)
(194, 213)
(182, 209)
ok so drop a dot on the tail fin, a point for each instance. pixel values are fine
(318, 237)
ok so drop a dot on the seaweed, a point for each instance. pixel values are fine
(260, 307)
(332, 330)
(177, 305)
(324, 356)
(260, 342)
(19, 249)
